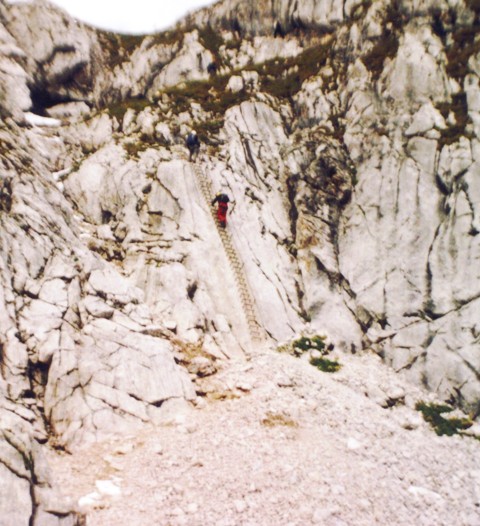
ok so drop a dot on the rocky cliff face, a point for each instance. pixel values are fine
(345, 131)
(380, 170)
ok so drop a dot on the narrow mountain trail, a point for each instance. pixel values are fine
(289, 445)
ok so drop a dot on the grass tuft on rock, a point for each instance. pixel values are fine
(278, 419)
(317, 347)
(432, 413)
(136, 147)
(119, 47)
(306, 343)
(283, 78)
(210, 94)
(325, 365)
(386, 46)
(119, 109)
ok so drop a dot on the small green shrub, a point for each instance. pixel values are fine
(432, 413)
(168, 38)
(143, 143)
(210, 94)
(312, 343)
(306, 343)
(325, 365)
(283, 78)
(119, 109)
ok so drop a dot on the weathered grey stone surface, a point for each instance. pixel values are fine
(349, 143)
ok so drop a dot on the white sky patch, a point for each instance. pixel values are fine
(123, 16)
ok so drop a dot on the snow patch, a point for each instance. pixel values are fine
(38, 120)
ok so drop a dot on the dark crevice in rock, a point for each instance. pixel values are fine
(42, 99)
(292, 184)
(249, 157)
(429, 306)
(5, 193)
(11, 468)
(410, 364)
(37, 374)
(107, 216)
(192, 289)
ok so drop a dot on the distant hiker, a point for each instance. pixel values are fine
(193, 144)
(236, 28)
(212, 69)
(222, 200)
(278, 30)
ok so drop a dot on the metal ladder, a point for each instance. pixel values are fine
(248, 303)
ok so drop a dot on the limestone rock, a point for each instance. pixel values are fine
(190, 64)
(346, 136)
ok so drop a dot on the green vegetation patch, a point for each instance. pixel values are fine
(306, 343)
(432, 413)
(208, 37)
(283, 78)
(313, 343)
(118, 46)
(119, 109)
(387, 44)
(143, 143)
(207, 129)
(210, 94)
(169, 38)
(465, 44)
(211, 40)
(325, 365)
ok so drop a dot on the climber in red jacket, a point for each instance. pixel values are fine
(222, 200)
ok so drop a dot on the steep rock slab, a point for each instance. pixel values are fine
(61, 370)
(28, 496)
(320, 185)
(155, 209)
(408, 243)
(396, 258)
(259, 17)
(58, 51)
(13, 78)
(189, 64)
(260, 227)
